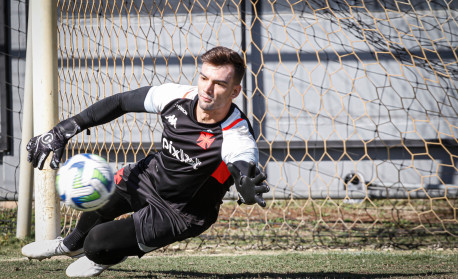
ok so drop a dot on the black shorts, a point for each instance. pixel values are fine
(157, 222)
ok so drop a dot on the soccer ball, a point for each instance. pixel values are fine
(85, 182)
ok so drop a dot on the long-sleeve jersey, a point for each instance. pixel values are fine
(190, 170)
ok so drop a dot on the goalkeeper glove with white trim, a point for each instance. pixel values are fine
(55, 140)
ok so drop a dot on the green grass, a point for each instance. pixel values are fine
(274, 264)
(218, 257)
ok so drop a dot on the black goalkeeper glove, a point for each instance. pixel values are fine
(55, 140)
(251, 186)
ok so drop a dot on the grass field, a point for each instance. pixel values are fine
(230, 261)
(252, 264)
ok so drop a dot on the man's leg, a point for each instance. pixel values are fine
(111, 242)
(72, 245)
(106, 244)
(116, 206)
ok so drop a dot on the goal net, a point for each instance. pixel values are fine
(353, 103)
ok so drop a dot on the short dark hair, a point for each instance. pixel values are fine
(220, 56)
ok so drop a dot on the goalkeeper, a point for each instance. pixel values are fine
(207, 145)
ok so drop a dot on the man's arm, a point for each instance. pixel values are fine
(99, 113)
(240, 153)
(112, 107)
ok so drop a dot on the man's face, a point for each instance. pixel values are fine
(216, 87)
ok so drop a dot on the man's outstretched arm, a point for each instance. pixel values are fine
(112, 107)
(99, 113)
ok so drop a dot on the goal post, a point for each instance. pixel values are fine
(25, 197)
(45, 112)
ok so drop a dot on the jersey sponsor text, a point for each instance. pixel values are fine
(179, 154)
(180, 108)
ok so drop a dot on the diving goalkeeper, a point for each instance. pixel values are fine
(207, 145)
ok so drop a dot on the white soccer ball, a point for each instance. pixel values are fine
(85, 182)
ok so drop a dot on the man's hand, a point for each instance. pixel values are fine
(251, 186)
(55, 140)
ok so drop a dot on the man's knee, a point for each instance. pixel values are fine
(110, 242)
(95, 247)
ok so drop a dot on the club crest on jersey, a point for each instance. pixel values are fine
(172, 119)
(205, 140)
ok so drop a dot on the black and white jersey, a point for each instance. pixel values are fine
(190, 171)
(191, 167)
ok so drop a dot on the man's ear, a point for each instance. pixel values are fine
(236, 91)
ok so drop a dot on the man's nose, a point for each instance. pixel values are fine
(208, 87)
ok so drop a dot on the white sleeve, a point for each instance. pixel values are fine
(159, 96)
(238, 143)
